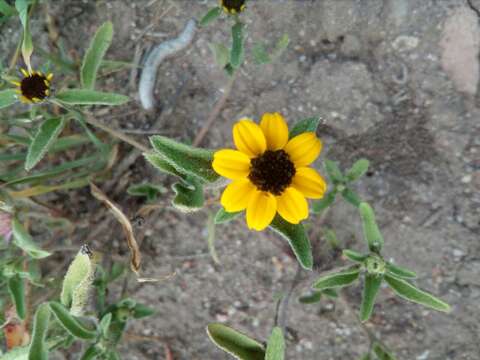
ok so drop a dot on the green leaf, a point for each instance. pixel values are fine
(7, 97)
(409, 292)
(351, 197)
(164, 166)
(372, 234)
(281, 45)
(104, 324)
(71, 323)
(370, 291)
(358, 169)
(337, 279)
(91, 353)
(38, 347)
(211, 238)
(235, 343)
(320, 205)
(355, 256)
(78, 281)
(94, 55)
(333, 171)
(90, 97)
(221, 54)
(210, 16)
(260, 55)
(312, 298)
(6, 9)
(43, 140)
(141, 311)
(382, 353)
(237, 53)
(188, 196)
(23, 240)
(150, 191)
(331, 238)
(401, 272)
(186, 159)
(305, 125)
(223, 216)
(276, 345)
(16, 289)
(27, 45)
(297, 238)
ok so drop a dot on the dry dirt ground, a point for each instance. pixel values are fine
(395, 81)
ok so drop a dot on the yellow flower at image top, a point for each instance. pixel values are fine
(34, 87)
(233, 6)
(270, 173)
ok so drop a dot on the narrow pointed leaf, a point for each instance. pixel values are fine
(337, 279)
(349, 195)
(333, 171)
(223, 216)
(382, 353)
(297, 238)
(161, 164)
(237, 52)
(235, 343)
(281, 45)
(7, 9)
(276, 345)
(305, 125)
(409, 292)
(370, 228)
(211, 16)
(38, 347)
(93, 57)
(260, 55)
(141, 311)
(71, 323)
(358, 169)
(399, 271)
(90, 97)
(320, 205)
(188, 197)
(312, 298)
(354, 255)
(91, 353)
(186, 159)
(16, 288)
(43, 140)
(23, 240)
(7, 98)
(370, 291)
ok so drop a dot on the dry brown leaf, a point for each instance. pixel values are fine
(135, 258)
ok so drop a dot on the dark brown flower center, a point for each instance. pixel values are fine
(272, 171)
(34, 86)
(236, 5)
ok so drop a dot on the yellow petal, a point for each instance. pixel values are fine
(24, 72)
(309, 182)
(231, 164)
(236, 195)
(292, 206)
(303, 149)
(248, 138)
(261, 210)
(50, 77)
(275, 130)
(16, 83)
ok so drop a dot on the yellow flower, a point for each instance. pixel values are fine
(233, 6)
(270, 173)
(34, 87)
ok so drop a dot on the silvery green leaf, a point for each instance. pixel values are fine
(23, 240)
(358, 169)
(354, 255)
(333, 171)
(188, 196)
(349, 195)
(276, 345)
(71, 323)
(337, 279)
(320, 205)
(370, 291)
(372, 234)
(237, 52)
(399, 271)
(7, 97)
(90, 97)
(38, 347)
(210, 16)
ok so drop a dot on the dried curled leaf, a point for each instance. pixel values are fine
(135, 258)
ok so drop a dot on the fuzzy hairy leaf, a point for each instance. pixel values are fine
(43, 141)
(305, 125)
(237, 53)
(38, 347)
(161, 164)
(276, 345)
(235, 343)
(185, 159)
(354, 255)
(349, 195)
(211, 16)
(358, 169)
(370, 291)
(23, 240)
(409, 292)
(320, 205)
(221, 54)
(297, 238)
(333, 171)
(223, 216)
(7, 98)
(372, 234)
(399, 271)
(337, 279)
(71, 323)
(188, 197)
(90, 97)
(94, 55)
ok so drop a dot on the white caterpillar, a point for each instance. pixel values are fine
(155, 58)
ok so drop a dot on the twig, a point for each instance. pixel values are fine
(215, 111)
